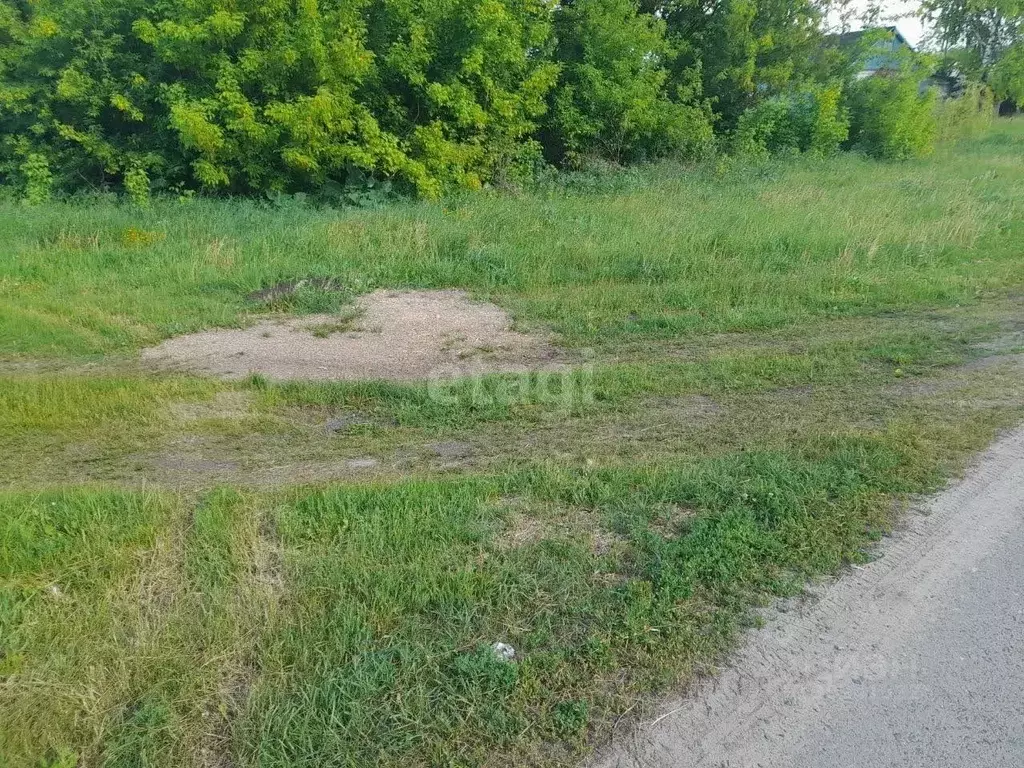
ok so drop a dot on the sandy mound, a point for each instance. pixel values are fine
(388, 335)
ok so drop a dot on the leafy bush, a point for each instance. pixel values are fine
(891, 118)
(136, 184)
(612, 99)
(461, 83)
(967, 114)
(1007, 76)
(356, 100)
(743, 49)
(251, 95)
(764, 129)
(38, 179)
(808, 120)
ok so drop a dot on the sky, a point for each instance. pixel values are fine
(911, 28)
(908, 24)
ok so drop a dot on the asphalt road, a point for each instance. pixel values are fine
(913, 661)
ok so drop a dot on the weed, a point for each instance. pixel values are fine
(344, 321)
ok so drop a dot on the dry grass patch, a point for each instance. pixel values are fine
(529, 522)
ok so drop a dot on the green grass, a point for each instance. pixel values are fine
(657, 254)
(774, 359)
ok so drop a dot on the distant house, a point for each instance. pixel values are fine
(881, 54)
(881, 50)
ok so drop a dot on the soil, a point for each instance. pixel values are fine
(398, 336)
(288, 288)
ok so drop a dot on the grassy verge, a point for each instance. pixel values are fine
(198, 573)
(352, 625)
(651, 255)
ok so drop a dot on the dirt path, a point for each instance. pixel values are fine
(914, 660)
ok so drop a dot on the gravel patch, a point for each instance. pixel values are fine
(398, 336)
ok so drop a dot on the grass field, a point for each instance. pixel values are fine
(195, 572)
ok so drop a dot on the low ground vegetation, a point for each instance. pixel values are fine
(779, 353)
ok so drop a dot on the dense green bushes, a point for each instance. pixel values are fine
(968, 114)
(1007, 76)
(811, 119)
(252, 95)
(892, 118)
(256, 95)
(894, 114)
(267, 96)
(886, 116)
(613, 97)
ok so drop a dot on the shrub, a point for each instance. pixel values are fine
(38, 179)
(829, 122)
(612, 99)
(249, 95)
(462, 84)
(136, 184)
(765, 128)
(808, 120)
(891, 118)
(744, 49)
(967, 114)
(1007, 76)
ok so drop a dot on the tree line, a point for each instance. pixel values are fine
(431, 96)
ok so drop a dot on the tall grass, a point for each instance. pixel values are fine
(665, 252)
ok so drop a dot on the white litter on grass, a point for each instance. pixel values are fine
(504, 651)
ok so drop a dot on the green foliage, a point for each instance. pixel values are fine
(829, 123)
(895, 114)
(38, 179)
(253, 96)
(1007, 76)
(354, 101)
(966, 115)
(891, 118)
(982, 31)
(809, 120)
(742, 49)
(461, 82)
(964, 61)
(613, 98)
(136, 184)
(332, 97)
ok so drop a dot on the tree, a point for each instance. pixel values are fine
(1007, 77)
(983, 29)
(745, 50)
(271, 95)
(614, 99)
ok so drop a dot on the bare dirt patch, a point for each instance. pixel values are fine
(400, 336)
